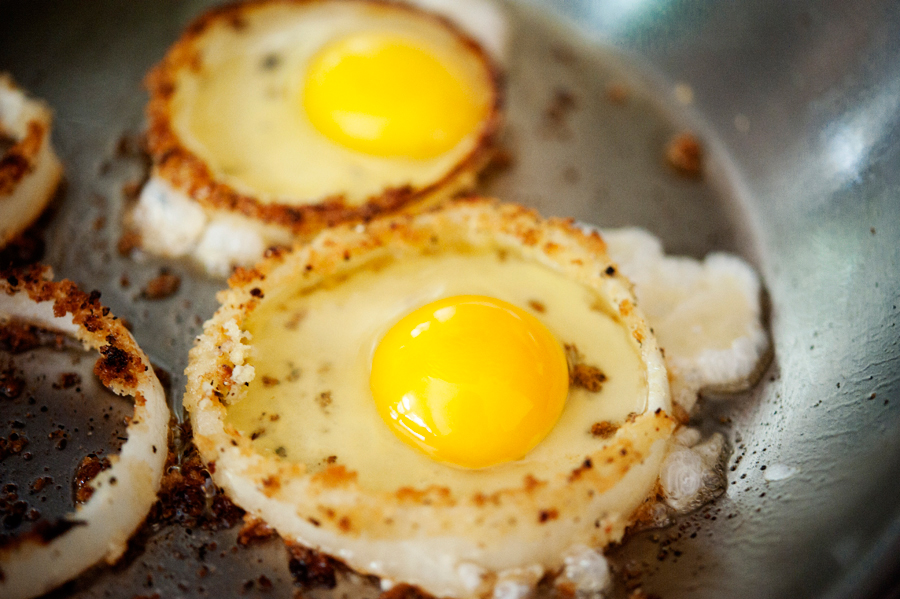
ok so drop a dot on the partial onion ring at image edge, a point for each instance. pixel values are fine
(29, 169)
(98, 530)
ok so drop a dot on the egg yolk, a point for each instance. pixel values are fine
(388, 96)
(470, 380)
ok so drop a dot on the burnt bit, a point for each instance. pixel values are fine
(162, 286)
(311, 569)
(187, 495)
(583, 375)
(603, 430)
(269, 381)
(91, 465)
(254, 532)
(547, 515)
(116, 364)
(685, 154)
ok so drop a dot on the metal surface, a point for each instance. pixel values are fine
(799, 111)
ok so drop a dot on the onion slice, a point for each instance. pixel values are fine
(123, 494)
(29, 168)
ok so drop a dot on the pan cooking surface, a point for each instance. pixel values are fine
(798, 111)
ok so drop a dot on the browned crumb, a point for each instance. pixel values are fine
(685, 154)
(91, 465)
(311, 569)
(537, 306)
(587, 377)
(161, 286)
(67, 380)
(254, 531)
(187, 495)
(618, 93)
(269, 381)
(557, 112)
(324, 400)
(404, 591)
(128, 242)
(603, 430)
(583, 375)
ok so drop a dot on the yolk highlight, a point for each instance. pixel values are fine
(470, 380)
(390, 97)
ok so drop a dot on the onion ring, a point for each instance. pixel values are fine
(123, 494)
(29, 169)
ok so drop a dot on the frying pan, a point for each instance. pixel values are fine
(798, 109)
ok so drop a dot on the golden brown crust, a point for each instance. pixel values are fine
(190, 174)
(21, 158)
(120, 361)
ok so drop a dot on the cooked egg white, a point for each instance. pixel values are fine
(281, 385)
(706, 314)
(296, 116)
(312, 355)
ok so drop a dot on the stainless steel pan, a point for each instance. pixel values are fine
(798, 108)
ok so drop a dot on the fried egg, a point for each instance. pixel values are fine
(98, 529)
(461, 400)
(273, 119)
(29, 169)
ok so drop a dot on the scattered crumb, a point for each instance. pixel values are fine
(685, 154)
(310, 569)
(537, 306)
(583, 375)
(587, 377)
(162, 286)
(603, 430)
(128, 242)
(254, 531)
(557, 112)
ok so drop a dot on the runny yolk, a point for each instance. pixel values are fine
(470, 380)
(389, 96)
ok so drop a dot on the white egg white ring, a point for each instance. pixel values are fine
(448, 546)
(122, 494)
(29, 170)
